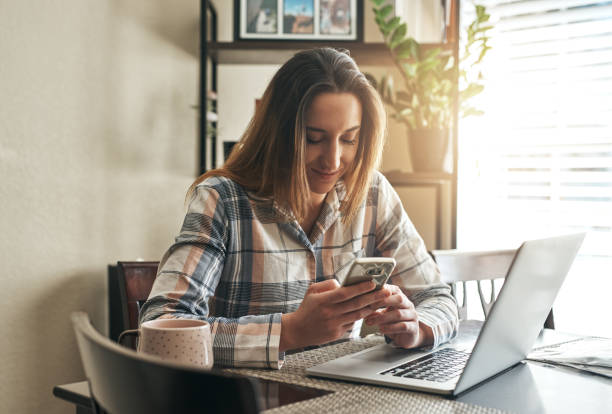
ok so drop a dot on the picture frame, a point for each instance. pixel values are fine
(301, 20)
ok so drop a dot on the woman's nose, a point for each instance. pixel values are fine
(332, 156)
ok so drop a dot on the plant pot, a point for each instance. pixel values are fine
(429, 150)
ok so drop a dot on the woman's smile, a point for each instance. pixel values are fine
(326, 175)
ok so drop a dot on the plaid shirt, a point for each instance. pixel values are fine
(241, 261)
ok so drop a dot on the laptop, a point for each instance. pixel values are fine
(508, 334)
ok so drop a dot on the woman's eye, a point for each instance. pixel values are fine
(350, 141)
(312, 140)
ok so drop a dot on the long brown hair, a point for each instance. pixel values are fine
(269, 159)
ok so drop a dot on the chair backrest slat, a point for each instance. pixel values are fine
(129, 285)
(458, 267)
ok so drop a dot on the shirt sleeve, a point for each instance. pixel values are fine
(416, 273)
(187, 278)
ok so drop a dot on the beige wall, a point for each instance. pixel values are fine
(97, 147)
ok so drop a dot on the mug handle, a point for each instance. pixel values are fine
(128, 332)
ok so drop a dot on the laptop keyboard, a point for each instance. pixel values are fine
(439, 366)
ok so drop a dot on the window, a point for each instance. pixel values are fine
(539, 162)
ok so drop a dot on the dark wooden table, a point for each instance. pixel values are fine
(273, 394)
(529, 387)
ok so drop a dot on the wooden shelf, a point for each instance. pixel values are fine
(278, 52)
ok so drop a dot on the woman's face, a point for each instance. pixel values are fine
(332, 136)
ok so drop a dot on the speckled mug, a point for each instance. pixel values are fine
(187, 341)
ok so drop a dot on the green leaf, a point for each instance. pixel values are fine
(427, 65)
(410, 69)
(379, 21)
(398, 35)
(384, 12)
(403, 53)
(391, 25)
(432, 53)
(471, 111)
(483, 29)
(470, 91)
(377, 2)
(407, 49)
(482, 54)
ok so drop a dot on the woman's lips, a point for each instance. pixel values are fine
(326, 175)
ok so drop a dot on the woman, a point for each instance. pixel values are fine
(267, 235)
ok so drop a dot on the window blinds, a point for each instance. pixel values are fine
(539, 162)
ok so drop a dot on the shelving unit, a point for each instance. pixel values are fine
(279, 51)
(208, 34)
(272, 52)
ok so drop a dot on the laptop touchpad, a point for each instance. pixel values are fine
(384, 354)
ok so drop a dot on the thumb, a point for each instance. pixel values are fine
(324, 286)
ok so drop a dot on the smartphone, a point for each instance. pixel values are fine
(377, 269)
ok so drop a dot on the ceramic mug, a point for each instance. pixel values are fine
(187, 341)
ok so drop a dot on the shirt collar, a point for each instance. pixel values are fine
(330, 211)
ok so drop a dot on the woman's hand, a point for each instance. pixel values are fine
(327, 312)
(398, 319)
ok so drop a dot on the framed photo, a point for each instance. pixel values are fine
(298, 20)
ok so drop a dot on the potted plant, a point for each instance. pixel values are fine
(432, 81)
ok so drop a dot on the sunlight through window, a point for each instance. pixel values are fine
(539, 162)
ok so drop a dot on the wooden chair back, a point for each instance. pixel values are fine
(123, 381)
(484, 268)
(129, 285)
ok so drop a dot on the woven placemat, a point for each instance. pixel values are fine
(349, 397)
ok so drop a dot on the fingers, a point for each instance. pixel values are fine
(401, 325)
(350, 292)
(392, 316)
(362, 301)
(327, 285)
(350, 317)
(396, 299)
(404, 327)
(404, 340)
(342, 307)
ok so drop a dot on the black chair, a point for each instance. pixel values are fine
(129, 285)
(122, 381)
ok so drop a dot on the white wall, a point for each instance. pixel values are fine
(97, 148)
(239, 86)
